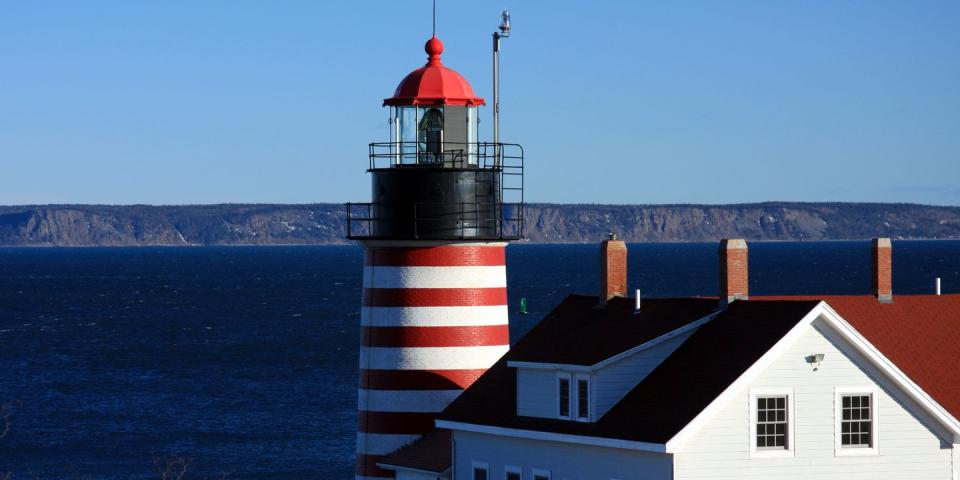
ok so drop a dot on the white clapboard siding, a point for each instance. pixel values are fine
(537, 393)
(562, 460)
(956, 461)
(910, 445)
(612, 382)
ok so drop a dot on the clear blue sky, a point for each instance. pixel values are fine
(173, 102)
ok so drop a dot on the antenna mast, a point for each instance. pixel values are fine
(434, 18)
(503, 33)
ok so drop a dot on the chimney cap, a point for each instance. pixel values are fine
(612, 235)
(733, 243)
(882, 242)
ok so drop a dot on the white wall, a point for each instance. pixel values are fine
(537, 393)
(564, 461)
(956, 461)
(909, 445)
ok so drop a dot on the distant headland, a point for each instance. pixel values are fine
(324, 223)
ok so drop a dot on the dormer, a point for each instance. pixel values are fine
(598, 354)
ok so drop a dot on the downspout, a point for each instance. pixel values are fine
(955, 457)
(453, 454)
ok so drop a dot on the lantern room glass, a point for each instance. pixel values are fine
(439, 135)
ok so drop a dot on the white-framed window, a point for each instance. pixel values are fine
(771, 422)
(481, 471)
(856, 412)
(583, 397)
(541, 474)
(573, 396)
(563, 395)
(512, 472)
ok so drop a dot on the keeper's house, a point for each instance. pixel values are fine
(832, 387)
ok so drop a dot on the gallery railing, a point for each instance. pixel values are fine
(435, 220)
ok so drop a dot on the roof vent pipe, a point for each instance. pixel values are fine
(936, 288)
(636, 300)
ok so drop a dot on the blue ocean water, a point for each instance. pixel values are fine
(243, 359)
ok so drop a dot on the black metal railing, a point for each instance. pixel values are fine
(435, 220)
(504, 158)
(445, 154)
(499, 215)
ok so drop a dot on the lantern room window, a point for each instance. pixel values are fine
(443, 135)
(430, 136)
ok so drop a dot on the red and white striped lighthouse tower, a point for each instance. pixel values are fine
(434, 313)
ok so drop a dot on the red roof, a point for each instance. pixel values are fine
(433, 83)
(920, 334)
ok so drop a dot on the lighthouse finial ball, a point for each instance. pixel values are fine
(434, 47)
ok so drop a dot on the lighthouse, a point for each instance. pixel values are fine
(443, 207)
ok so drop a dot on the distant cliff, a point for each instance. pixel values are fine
(233, 224)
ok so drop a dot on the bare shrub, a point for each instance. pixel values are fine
(171, 467)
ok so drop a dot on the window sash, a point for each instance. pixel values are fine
(583, 398)
(772, 422)
(480, 473)
(563, 397)
(856, 421)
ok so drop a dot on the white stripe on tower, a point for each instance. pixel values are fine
(430, 358)
(434, 277)
(405, 400)
(434, 318)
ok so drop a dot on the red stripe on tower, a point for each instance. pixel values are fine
(443, 256)
(395, 422)
(434, 336)
(419, 379)
(433, 297)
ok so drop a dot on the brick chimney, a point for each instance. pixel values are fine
(883, 269)
(613, 269)
(733, 270)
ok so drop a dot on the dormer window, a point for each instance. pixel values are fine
(583, 399)
(573, 396)
(563, 395)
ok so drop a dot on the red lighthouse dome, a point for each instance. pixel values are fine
(433, 83)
